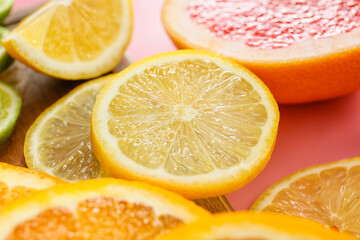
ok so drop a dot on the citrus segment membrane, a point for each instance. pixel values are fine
(97, 209)
(58, 142)
(188, 118)
(270, 25)
(185, 120)
(328, 194)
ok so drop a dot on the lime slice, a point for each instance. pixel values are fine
(5, 7)
(5, 59)
(10, 103)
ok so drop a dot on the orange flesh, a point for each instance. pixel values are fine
(268, 24)
(331, 197)
(96, 218)
(7, 195)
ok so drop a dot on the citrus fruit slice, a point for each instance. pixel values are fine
(5, 59)
(97, 209)
(303, 50)
(10, 105)
(326, 193)
(73, 39)
(190, 121)
(254, 226)
(5, 8)
(58, 142)
(17, 182)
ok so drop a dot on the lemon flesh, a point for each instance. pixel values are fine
(58, 142)
(187, 118)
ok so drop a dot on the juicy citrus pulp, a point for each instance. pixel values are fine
(326, 193)
(269, 25)
(254, 226)
(189, 121)
(303, 50)
(5, 7)
(97, 209)
(17, 182)
(58, 142)
(73, 39)
(10, 104)
(5, 59)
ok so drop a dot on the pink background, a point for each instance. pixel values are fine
(309, 134)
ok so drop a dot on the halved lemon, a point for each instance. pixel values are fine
(254, 226)
(304, 50)
(97, 209)
(190, 121)
(58, 142)
(73, 39)
(326, 193)
(18, 182)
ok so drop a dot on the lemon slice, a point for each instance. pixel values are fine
(97, 209)
(73, 39)
(190, 121)
(254, 226)
(58, 142)
(10, 104)
(327, 193)
(5, 8)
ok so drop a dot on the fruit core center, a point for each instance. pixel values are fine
(185, 112)
(267, 24)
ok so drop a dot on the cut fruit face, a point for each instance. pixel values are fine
(270, 25)
(58, 142)
(326, 193)
(10, 105)
(18, 182)
(254, 226)
(97, 209)
(189, 121)
(300, 50)
(73, 39)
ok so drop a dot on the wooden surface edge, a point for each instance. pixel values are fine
(214, 204)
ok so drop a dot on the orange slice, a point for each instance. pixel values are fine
(18, 182)
(326, 193)
(254, 226)
(303, 50)
(73, 39)
(189, 121)
(97, 209)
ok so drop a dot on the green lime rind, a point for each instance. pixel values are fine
(10, 105)
(5, 59)
(5, 8)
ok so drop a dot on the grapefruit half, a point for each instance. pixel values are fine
(303, 50)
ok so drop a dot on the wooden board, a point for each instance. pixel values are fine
(38, 92)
